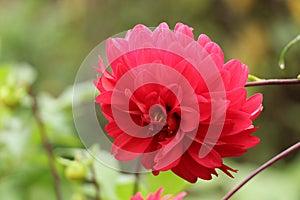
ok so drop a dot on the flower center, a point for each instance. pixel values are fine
(158, 114)
(163, 123)
(159, 117)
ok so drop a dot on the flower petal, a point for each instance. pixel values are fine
(184, 29)
(238, 71)
(211, 160)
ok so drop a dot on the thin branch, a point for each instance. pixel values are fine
(273, 82)
(47, 145)
(95, 183)
(137, 177)
(261, 168)
(136, 183)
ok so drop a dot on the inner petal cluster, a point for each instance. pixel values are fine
(162, 118)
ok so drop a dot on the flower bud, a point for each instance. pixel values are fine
(76, 171)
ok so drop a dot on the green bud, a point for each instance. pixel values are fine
(77, 196)
(12, 96)
(76, 171)
(253, 78)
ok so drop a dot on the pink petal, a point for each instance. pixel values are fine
(203, 40)
(253, 105)
(163, 25)
(104, 98)
(184, 29)
(215, 52)
(159, 193)
(138, 196)
(236, 97)
(179, 196)
(140, 37)
(162, 37)
(116, 47)
(238, 71)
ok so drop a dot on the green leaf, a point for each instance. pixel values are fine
(125, 186)
(4, 72)
(171, 182)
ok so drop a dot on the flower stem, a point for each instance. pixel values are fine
(46, 143)
(273, 82)
(261, 168)
(136, 183)
(95, 183)
(137, 177)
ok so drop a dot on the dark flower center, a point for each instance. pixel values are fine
(164, 123)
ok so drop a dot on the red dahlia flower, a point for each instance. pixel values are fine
(157, 196)
(172, 101)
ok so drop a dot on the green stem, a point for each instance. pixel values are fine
(285, 50)
(137, 177)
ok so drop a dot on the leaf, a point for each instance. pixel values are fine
(172, 183)
(125, 186)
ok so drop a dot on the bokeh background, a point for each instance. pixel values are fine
(47, 40)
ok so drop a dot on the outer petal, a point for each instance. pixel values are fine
(169, 153)
(253, 105)
(127, 148)
(243, 139)
(230, 150)
(215, 52)
(211, 160)
(115, 47)
(178, 196)
(226, 170)
(203, 40)
(238, 71)
(190, 170)
(138, 196)
(113, 130)
(184, 29)
(236, 98)
(140, 38)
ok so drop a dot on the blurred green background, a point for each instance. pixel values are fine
(48, 39)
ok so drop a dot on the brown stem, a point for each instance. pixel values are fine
(95, 183)
(261, 168)
(47, 145)
(273, 82)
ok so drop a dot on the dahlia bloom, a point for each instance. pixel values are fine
(157, 196)
(173, 102)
